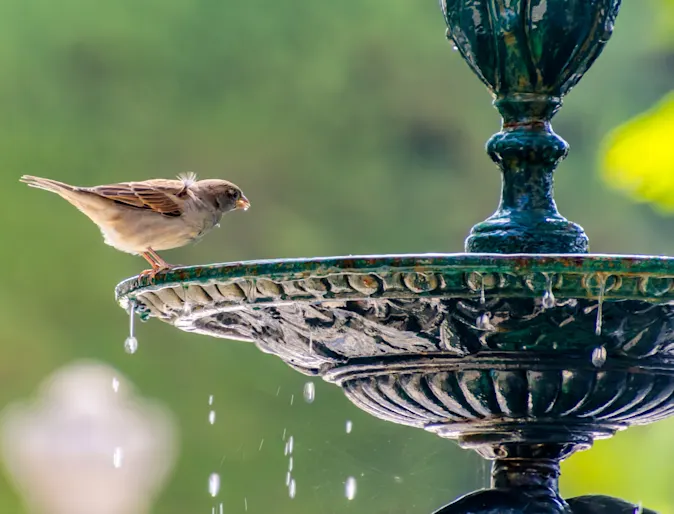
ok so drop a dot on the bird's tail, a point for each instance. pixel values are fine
(47, 184)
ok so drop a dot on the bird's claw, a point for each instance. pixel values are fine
(152, 273)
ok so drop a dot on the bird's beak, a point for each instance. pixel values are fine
(243, 203)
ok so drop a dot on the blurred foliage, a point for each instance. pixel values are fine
(638, 157)
(353, 128)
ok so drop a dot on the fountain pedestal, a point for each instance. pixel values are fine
(525, 349)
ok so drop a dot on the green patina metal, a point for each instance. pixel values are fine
(525, 349)
(529, 53)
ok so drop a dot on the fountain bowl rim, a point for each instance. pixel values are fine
(651, 266)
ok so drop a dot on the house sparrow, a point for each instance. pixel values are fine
(143, 217)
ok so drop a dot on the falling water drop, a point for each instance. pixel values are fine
(349, 426)
(117, 457)
(261, 443)
(210, 400)
(548, 300)
(292, 488)
(211, 417)
(291, 442)
(292, 399)
(290, 464)
(600, 305)
(245, 504)
(309, 392)
(283, 437)
(483, 300)
(288, 478)
(115, 384)
(350, 488)
(131, 343)
(214, 484)
(599, 355)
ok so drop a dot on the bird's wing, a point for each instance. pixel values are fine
(164, 197)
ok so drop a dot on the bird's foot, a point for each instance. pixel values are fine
(152, 273)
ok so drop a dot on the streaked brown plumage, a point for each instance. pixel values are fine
(153, 215)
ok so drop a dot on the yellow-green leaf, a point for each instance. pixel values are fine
(638, 157)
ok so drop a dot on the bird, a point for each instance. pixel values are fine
(144, 217)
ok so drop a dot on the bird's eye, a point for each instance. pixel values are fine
(233, 194)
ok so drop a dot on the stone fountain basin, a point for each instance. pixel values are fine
(464, 345)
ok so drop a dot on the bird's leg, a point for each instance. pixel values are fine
(158, 264)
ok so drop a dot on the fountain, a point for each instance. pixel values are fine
(526, 348)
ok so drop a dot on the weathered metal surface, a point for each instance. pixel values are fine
(529, 53)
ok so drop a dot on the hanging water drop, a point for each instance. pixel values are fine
(548, 300)
(600, 305)
(309, 392)
(350, 488)
(349, 426)
(131, 343)
(214, 484)
(455, 48)
(599, 356)
(211, 417)
(292, 489)
(483, 323)
(117, 457)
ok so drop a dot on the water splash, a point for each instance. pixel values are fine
(131, 343)
(309, 392)
(599, 356)
(117, 457)
(548, 300)
(600, 304)
(292, 488)
(349, 426)
(350, 488)
(214, 484)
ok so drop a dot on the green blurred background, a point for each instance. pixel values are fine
(353, 128)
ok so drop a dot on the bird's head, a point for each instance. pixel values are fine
(226, 196)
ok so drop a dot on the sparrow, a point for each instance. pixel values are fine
(142, 218)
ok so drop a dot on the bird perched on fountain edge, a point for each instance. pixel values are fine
(142, 218)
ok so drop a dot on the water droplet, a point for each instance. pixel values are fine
(292, 488)
(210, 400)
(349, 426)
(115, 384)
(599, 356)
(455, 48)
(283, 437)
(211, 417)
(600, 305)
(221, 509)
(483, 323)
(548, 300)
(483, 300)
(288, 478)
(309, 392)
(290, 464)
(131, 345)
(117, 457)
(291, 442)
(292, 399)
(261, 443)
(245, 504)
(350, 488)
(214, 484)
(278, 390)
